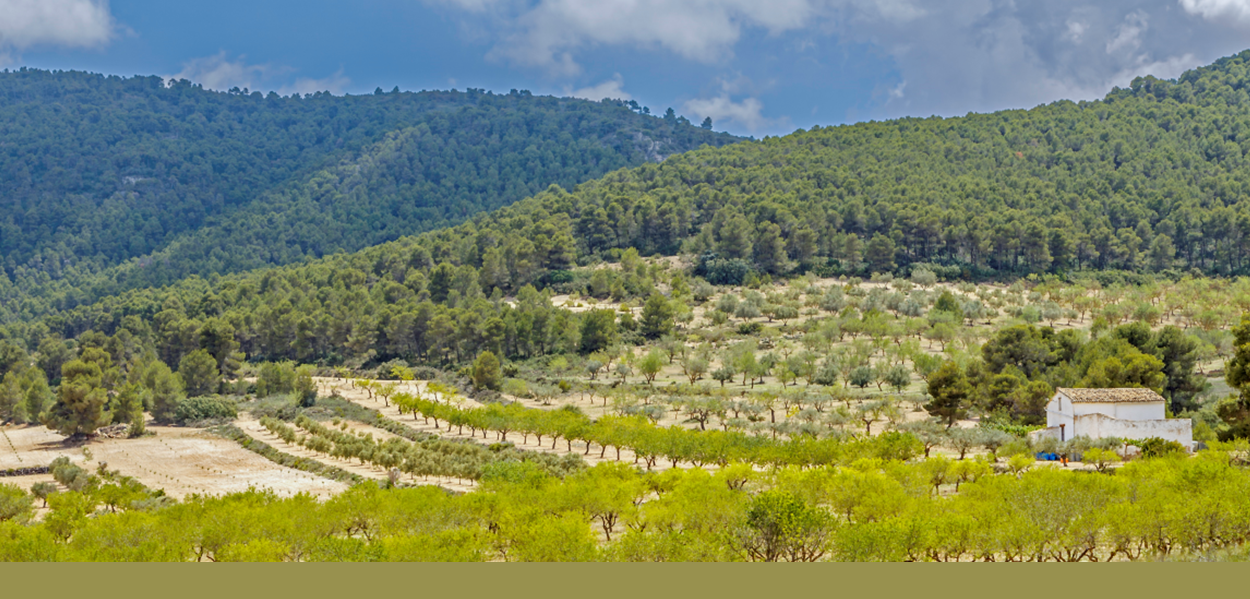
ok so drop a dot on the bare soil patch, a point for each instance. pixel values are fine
(182, 461)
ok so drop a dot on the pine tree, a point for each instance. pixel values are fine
(657, 316)
(1236, 413)
(199, 373)
(81, 399)
(735, 239)
(598, 330)
(486, 372)
(770, 249)
(951, 394)
(880, 253)
(11, 404)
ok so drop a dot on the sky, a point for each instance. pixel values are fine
(755, 67)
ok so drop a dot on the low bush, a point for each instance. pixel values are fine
(15, 504)
(1156, 447)
(750, 328)
(205, 409)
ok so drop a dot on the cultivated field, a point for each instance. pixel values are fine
(182, 461)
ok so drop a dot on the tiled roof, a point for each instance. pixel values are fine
(1123, 395)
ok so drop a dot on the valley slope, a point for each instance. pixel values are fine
(109, 183)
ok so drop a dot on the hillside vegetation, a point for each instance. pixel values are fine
(109, 184)
(1133, 182)
(833, 345)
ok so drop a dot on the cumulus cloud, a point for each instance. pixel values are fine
(548, 33)
(612, 88)
(989, 55)
(1235, 10)
(28, 24)
(954, 56)
(898, 91)
(747, 113)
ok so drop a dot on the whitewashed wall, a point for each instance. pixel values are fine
(1061, 410)
(1153, 410)
(1096, 426)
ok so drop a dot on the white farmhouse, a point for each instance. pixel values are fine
(1123, 413)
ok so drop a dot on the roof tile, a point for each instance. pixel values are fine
(1121, 395)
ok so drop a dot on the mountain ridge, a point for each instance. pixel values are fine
(80, 199)
(1141, 182)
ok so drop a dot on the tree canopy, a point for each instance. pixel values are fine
(110, 183)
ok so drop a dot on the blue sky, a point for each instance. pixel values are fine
(757, 68)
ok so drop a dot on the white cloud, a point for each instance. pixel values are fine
(898, 91)
(1170, 68)
(747, 113)
(612, 88)
(954, 55)
(1128, 36)
(739, 84)
(220, 73)
(994, 54)
(548, 33)
(1215, 10)
(335, 84)
(27, 24)
(1076, 30)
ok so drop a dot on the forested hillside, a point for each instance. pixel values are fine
(1149, 179)
(841, 344)
(173, 180)
(1152, 178)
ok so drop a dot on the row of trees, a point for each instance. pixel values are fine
(429, 457)
(649, 442)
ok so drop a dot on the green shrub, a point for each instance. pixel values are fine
(750, 328)
(1156, 447)
(200, 409)
(275, 378)
(721, 271)
(15, 504)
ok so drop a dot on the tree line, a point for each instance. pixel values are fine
(872, 510)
